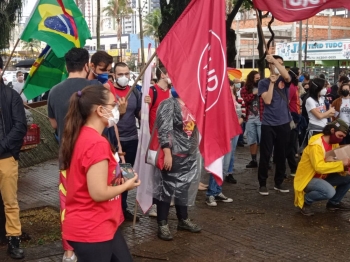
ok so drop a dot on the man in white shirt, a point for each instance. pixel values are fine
(19, 85)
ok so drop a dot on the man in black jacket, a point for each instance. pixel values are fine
(13, 127)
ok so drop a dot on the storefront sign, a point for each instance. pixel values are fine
(316, 50)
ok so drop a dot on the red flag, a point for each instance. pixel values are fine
(296, 10)
(194, 53)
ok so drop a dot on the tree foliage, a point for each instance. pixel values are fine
(117, 9)
(10, 12)
(151, 25)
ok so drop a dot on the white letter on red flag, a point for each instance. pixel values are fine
(296, 10)
(194, 53)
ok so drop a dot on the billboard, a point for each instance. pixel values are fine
(316, 50)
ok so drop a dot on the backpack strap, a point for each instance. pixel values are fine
(155, 95)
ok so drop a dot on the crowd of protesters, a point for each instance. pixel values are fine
(283, 117)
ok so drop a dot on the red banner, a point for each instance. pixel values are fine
(194, 53)
(296, 10)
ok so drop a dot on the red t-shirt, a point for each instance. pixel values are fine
(161, 96)
(294, 101)
(86, 220)
(327, 147)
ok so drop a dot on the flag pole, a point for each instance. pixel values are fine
(141, 74)
(9, 59)
(135, 212)
(260, 30)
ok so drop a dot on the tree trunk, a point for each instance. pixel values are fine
(231, 35)
(261, 62)
(98, 28)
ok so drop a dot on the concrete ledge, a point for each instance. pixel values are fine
(48, 147)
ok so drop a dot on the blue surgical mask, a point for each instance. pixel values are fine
(174, 93)
(102, 78)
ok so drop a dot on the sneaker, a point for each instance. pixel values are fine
(211, 201)
(187, 225)
(153, 211)
(164, 231)
(281, 189)
(223, 198)
(292, 174)
(128, 216)
(306, 210)
(230, 179)
(252, 164)
(70, 259)
(263, 191)
(340, 206)
(13, 247)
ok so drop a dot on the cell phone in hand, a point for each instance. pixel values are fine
(127, 170)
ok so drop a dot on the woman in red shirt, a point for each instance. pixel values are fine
(94, 184)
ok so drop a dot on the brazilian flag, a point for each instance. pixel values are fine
(59, 23)
(47, 71)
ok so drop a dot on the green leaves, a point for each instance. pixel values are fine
(10, 11)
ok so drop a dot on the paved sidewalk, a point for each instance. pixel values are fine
(252, 228)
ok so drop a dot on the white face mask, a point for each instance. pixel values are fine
(114, 119)
(323, 92)
(123, 81)
(169, 81)
(277, 72)
(20, 78)
(238, 85)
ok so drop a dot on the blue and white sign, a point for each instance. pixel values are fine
(316, 50)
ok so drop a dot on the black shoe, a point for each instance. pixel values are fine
(186, 224)
(3, 240)
(128, 216)
(281, 189)
(340, 206)
(306, 210)
(164, 231)
(240, 144)
(263, 191)
(230, 179)
(13, 248)
(252, 164)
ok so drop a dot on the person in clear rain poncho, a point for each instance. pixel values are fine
(178, 138)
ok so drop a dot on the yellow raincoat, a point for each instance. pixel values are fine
(312, 162)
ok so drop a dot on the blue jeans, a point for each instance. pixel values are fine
(213, 188)
(323, 189)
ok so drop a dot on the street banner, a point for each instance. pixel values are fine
(59, 23)
(194, 53)
(296, 10)
(145, 171)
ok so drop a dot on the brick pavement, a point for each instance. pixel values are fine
(252, 228)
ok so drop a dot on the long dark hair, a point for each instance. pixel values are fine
(80, 108)
(250, 84)
(316, 85)
(294, 74)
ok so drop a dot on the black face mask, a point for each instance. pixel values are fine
(345, 92)
(257, 82)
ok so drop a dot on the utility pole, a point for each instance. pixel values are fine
(141, 35)
(300, 43)
(306, 36)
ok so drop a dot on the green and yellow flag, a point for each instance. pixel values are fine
(59, 23)
(47, 71)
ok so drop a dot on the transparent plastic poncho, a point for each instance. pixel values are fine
(177, 131)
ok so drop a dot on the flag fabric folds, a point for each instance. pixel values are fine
(59, 23)
(296, 10)
(194, 53)
(145, 171)
(47, 71)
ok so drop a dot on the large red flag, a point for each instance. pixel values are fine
(194, 53)
(296, 10)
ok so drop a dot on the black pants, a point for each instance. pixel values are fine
(130, 149)
(163, 211)
(2, 219)
(273, 137)
(292, 150)
(115, 250)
